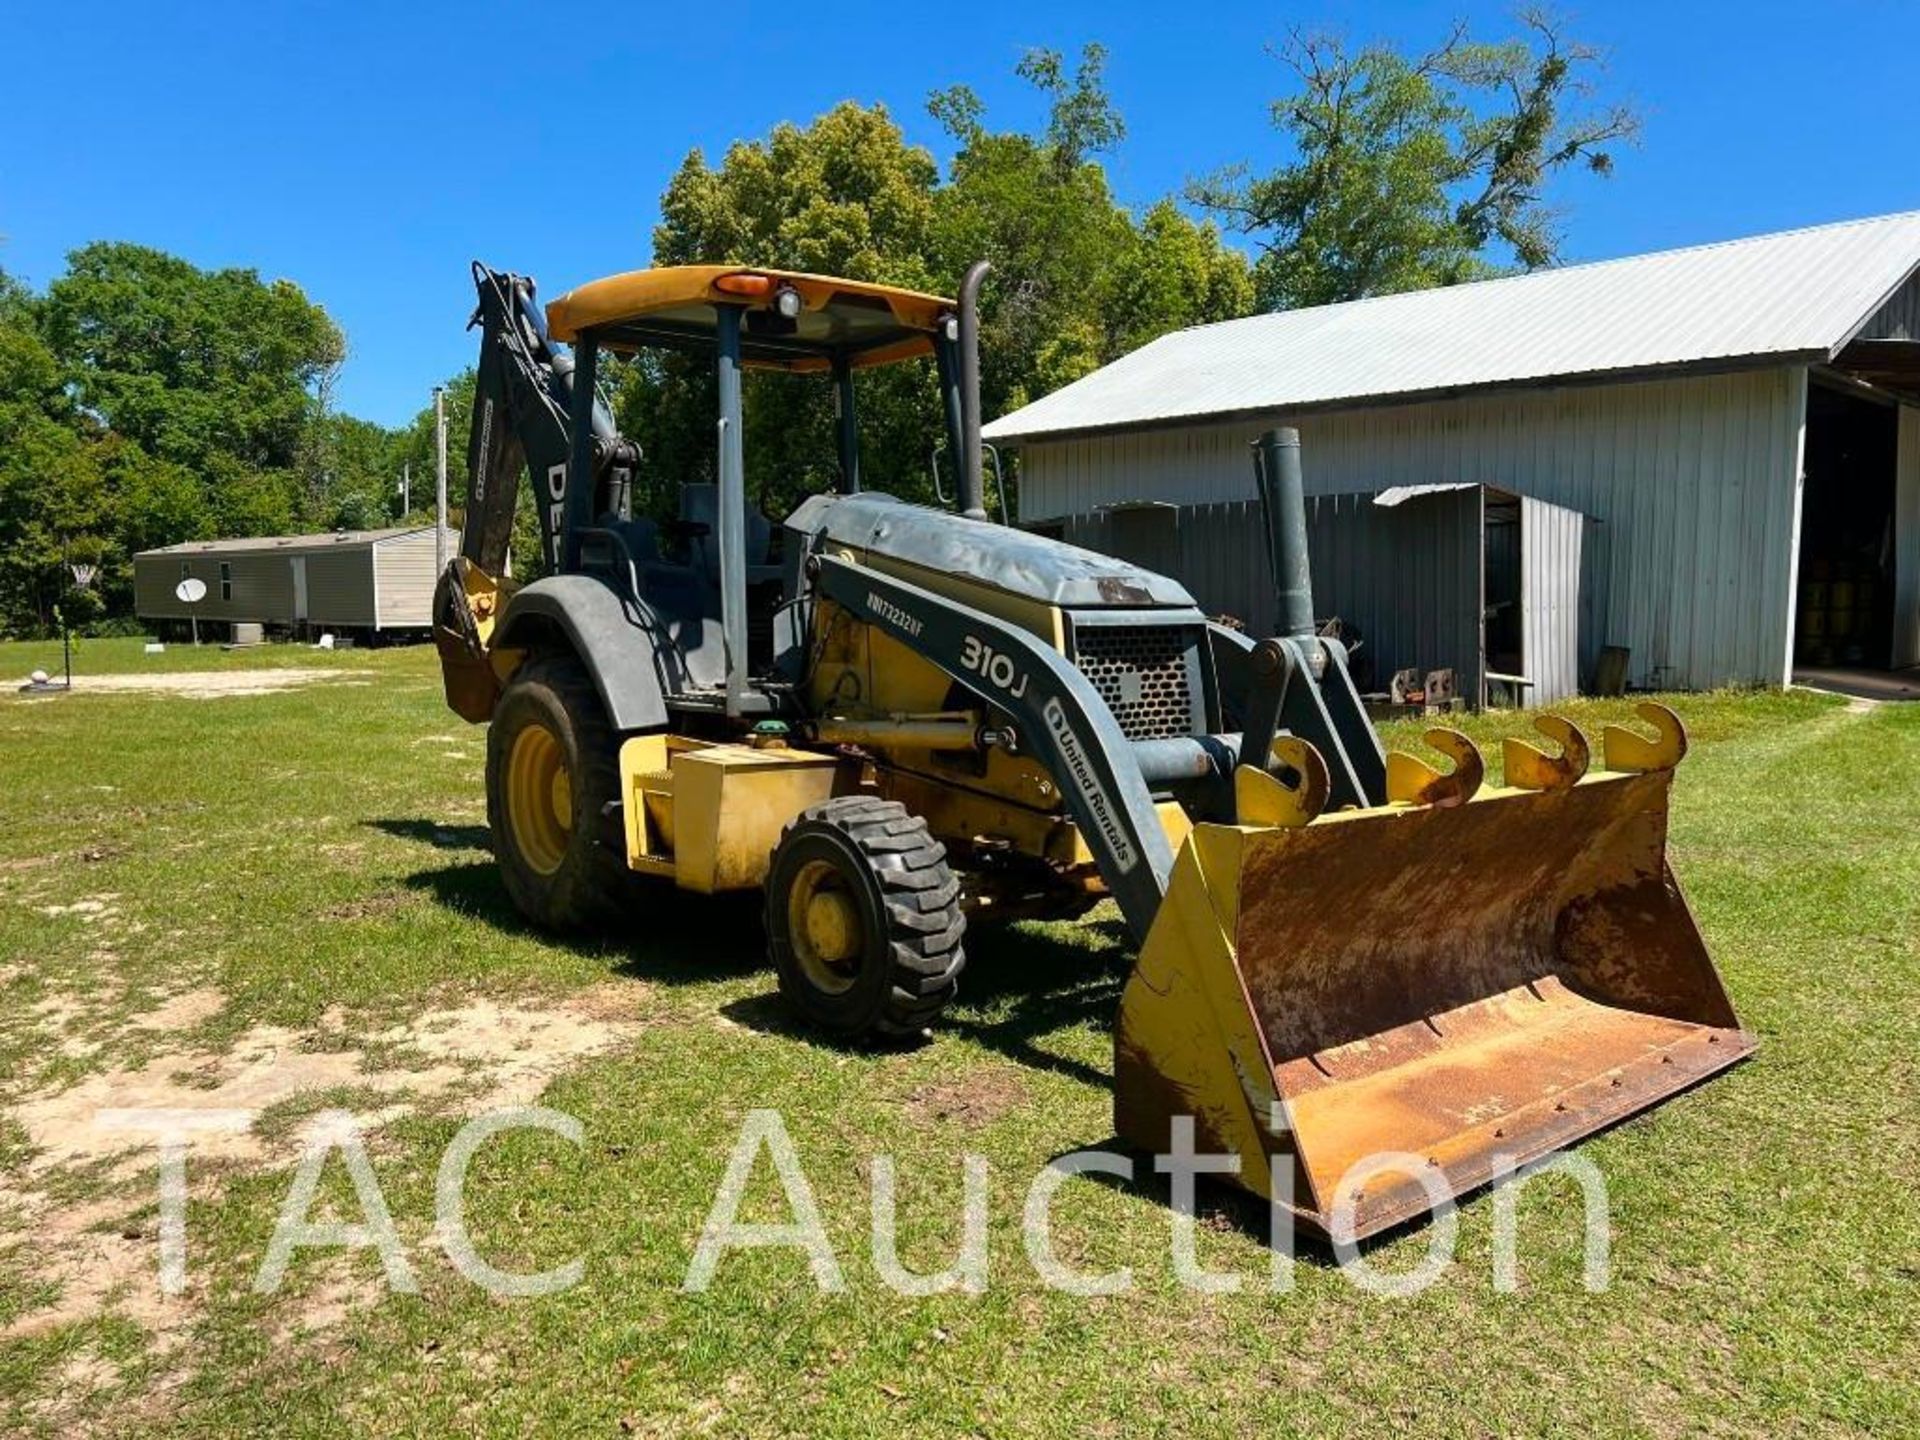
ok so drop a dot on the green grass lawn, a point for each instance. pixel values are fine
(230, 891)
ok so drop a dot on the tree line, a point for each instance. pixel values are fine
(145, 401)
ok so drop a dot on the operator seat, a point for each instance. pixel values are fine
(700, 505)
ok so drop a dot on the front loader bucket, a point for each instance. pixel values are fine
(1461, 986)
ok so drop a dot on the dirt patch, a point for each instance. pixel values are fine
(347, 1284)
(475, 1057)
(89, 911)
(184, 1011)
(82, 1376)
(216, 684)
(102, 1261)
(362, 907)
(973, 1102)
(57, 1012)
(266, 1066)
(518, 1048)
(619, 1002)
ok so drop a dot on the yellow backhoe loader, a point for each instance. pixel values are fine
(886, 716)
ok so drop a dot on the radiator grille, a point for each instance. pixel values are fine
(1143, 674)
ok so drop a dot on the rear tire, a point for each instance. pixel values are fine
(863, 919)
(553, 768)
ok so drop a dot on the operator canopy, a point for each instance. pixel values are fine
(794, 321)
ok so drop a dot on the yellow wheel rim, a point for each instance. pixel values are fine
(539, 799)
(823, 925)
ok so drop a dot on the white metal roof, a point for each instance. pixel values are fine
(1395, 494)
(1799, 295)
(283, 544)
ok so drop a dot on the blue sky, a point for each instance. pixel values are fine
(369, 152)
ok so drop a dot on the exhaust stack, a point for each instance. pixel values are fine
(1283, 504)
(972, 458)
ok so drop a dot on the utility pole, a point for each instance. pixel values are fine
(439, 479)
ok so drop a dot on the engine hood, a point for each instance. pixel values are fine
(1012, 560)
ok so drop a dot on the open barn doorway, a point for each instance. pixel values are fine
(1844, 615)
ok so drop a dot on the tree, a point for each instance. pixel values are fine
(1078, 281)
(1039, 208)
(51, 491)
(360, 485)
(214, 370)
(414, 448)
(845, 195)
(1416, 171)
(17, 304)
(1171, 274)
(144, 402)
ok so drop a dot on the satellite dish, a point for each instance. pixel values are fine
(191, 591)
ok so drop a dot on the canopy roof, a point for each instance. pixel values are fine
(674, 307)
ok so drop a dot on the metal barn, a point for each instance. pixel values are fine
(1740, 421)
(373, 580)
(1460, 577)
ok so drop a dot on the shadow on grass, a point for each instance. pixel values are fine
(1020, 985)
(686, 939)
(1219, 1205)
(1026, 982)
(768, 1014)
(432, 832)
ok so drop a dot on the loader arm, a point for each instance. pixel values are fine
(1060, 718)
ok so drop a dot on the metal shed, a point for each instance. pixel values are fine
(1742, 419)
(373, 580)
(1447, 576)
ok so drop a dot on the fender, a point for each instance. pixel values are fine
(624, 644)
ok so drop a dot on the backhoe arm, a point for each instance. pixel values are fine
(521, 423)
(523, 398)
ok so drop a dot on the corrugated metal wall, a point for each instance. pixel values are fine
(1550, 592)
(1906, 541)
(1219, 552)
(1899, 318)
(1693, 482)
(1409, 576)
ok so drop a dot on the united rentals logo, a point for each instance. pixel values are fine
(1080, 770)
(893, 613)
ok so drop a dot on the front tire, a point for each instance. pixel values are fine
(553, 769)
(863, 919)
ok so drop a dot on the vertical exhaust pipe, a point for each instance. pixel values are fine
(972, 459)
(1283, 504)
